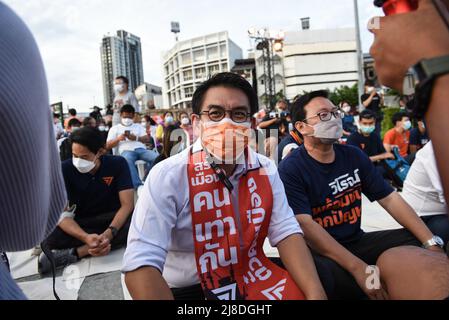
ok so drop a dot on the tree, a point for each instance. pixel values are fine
(345, 93)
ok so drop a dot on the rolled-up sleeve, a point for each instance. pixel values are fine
(283, 222)
(153, 220)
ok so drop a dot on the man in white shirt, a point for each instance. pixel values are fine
(191, 190)
(130, 138)
(122, 97)
(424, 192)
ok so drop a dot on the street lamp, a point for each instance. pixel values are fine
(268, 41)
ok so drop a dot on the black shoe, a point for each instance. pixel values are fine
(62, 259)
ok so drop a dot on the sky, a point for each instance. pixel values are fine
(69, 32)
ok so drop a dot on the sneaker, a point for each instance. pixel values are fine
(62, 259)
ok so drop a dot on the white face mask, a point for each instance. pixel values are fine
(144, 124)
(102, 128)
(83, 166)
(328, 131)
(185, 121)
(346, 109)
(119, 88)
(127, 122)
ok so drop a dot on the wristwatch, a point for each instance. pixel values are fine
(114, 231)
(426, 72)
(435, 241)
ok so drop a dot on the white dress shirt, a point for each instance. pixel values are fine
(423, 190)
(161, 233)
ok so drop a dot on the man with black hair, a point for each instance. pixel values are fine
(100, 188)
(200, 225)
(72, 115)
(418, 136)
(368, 140)
(399, 135)
(372, 101)
(130, 138)
(123, 96)
(65, 144)
(324, 183)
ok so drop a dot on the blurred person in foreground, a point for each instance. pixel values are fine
(401, 41)
(26, 216)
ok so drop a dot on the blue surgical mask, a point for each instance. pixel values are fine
(367, 129)
(407, 125)
(169, 120)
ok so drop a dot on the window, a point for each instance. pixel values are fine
(212, 53)
(223, 50)
(214, 69)
(188, 92)
(187, 75)
(198, 55)
(186, 58)
(224, 67)
(200, 73)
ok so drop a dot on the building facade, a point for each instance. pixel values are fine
(191, 62)
(149, 97)
(319, 59)
(121, 55)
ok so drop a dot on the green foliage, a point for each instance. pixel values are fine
(387, 122)
(345, 93)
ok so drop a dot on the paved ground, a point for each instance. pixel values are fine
(101, 279)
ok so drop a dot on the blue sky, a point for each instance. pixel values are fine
(69, 32)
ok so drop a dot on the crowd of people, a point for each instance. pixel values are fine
(193, 199)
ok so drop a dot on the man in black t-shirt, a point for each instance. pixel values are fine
(324, 183)
(369, 141)
(101, 189)
(372, 101)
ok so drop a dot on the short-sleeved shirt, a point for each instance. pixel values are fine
(288, 142)
(393, 137)
(371, 145)
(127, 145)
(332, 193)
(374, 106)
(99, 193)
(418, 139)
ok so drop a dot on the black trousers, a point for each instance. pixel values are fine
(98, 224)
(339, 283)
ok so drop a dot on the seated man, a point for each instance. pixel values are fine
(65, 144)
(100, 188)
(130, 138)
(418, 137)
(324, 183)
(399, 136)
(292, 141)
(423, 191)
(369, 141)
(200, 225)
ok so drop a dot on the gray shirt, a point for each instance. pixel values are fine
(32, 192)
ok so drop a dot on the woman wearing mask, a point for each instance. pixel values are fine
(168, 119)
(348, 121)
(186, 125)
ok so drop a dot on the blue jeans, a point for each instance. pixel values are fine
(139, 154)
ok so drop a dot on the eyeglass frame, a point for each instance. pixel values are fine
(230, 112)
(335, 113)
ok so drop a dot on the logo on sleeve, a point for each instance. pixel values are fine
(108, 180)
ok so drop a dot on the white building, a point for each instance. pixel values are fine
(121, 55)
(319, 59)
(191, 62)
(149, 97)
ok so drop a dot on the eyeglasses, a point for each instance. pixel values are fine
(327, 115)
(217, 113)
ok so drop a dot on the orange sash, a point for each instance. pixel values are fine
(232, 265)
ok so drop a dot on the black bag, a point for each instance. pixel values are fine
(65, 150)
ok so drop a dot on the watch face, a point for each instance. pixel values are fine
(439, 241)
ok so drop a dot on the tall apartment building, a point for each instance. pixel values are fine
(191, 62)
(121, 55)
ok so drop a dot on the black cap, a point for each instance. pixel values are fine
(379, 3)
